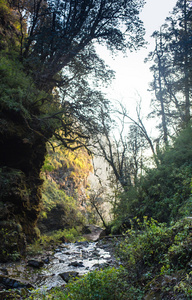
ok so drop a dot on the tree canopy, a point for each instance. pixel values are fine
(54, 41)
(59, 30)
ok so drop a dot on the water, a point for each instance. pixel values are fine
(80, 257)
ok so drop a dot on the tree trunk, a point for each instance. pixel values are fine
(186, 68)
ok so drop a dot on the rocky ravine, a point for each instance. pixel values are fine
(55, 268)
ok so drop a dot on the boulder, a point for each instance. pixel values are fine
(10, 283)
(76, 264)
(35, 263)
(86, 229)
(102, 234)
(66, 276)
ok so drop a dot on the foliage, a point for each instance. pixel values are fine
(72, 113)
(172, 190)
(168, 187)
(105, 284)
(164, 192)
(52, 239)
(52, 36)
(96, 285)
(17, 90)
(184, 286)
(64, 191)
(9, 253)
(60, 30)
(21, 98)
(155, 251)
(9, 27)
(127, 204)
(55, 198)
(78, 161)
(144, 247)
(65, 175)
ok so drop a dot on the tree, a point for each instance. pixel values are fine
(122, 145)
(166, 189)
(97, 201)
(182, 51)
(78, 100)
(157, 84)
(58, 50)
(59, 30)
(172, 69)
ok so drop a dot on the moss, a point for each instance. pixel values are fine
(13, 243)
(8, 23)
(20, 193)
(13, 187)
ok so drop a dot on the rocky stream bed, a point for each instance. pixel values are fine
(55, 268)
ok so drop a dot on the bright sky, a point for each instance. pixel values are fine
(132, 74)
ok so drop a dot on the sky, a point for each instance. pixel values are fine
(132, 74)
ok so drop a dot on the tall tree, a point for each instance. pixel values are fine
(182, 52)
(171, 68)
(157, 84)
(59, 30)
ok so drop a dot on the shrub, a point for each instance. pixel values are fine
(52, 239)
(145, 247)
(157, 247)
(108, 284)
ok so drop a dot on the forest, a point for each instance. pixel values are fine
(57, 127)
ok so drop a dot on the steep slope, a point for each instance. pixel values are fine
(64, 192)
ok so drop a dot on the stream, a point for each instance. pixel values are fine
(55, 268)
(78, 259)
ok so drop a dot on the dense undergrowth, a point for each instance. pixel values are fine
(155, 263)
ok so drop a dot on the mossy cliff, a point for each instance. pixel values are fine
(23, 139)
(21, 157)
(64, 191)
(22, 143)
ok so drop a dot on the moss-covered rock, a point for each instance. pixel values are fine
(21, 158)
(13, 241)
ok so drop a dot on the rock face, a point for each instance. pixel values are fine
(22, 153)
(53, 221)
(65, 189)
